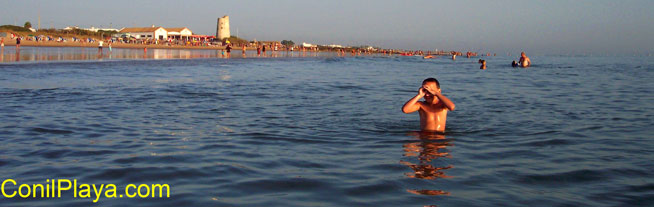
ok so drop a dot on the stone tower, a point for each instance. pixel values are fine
(222, 29)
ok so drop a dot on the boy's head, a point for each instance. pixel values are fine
(432, 80)
(430, 84)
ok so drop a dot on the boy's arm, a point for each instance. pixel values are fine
(413, 104)
(446, 101)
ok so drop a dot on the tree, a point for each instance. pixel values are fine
(288, 43)
(28, 25)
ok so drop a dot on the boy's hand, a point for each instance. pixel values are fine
(421, 92)
(433, 91)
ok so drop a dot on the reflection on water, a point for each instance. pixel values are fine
(429, 147)
(11, 54)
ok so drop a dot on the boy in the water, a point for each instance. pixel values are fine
(433, 111)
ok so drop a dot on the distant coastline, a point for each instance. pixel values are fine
(12, 42)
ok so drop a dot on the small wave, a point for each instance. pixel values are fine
(648, 187)
(348, 87)
(577, 176)
(544, 132)
(51, 131)
(279, 185)
(216, 147)
(334, 60)
(128, 174)
(549, 142)
(49, 154)
(372, 189)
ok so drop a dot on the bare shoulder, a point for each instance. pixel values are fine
(422, 104)
(442, 106)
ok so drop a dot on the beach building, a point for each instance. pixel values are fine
(334, 46)
(179, 33)
(222, 29)
(146, 32)
(92, 29)
(95, 29)
(307, 45)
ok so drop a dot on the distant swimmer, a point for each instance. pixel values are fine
(454, 57)
(428, 57)
(483, 64)
(433, 111)
(524, 60)
(514, 64)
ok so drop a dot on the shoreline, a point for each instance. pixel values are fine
(12, 43)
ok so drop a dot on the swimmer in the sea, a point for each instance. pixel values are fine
(514, 64)
(483, 64)
(433, 111)
(524, 60)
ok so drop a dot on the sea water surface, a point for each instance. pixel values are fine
(325, 130)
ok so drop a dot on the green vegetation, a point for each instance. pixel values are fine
(75, 31)
(28, 24)
(57, 32)
(288, 43)
(236, 40)
(14, 28)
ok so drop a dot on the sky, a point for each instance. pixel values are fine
(601, 27)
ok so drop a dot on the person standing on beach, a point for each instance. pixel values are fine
(100, 46)
(258, 50)
(18, 42)
(228, 49)
(2, 42)
(524, 61)
(433, 111)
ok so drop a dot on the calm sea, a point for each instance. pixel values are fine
(323, 130)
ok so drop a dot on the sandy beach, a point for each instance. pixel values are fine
(12, 42)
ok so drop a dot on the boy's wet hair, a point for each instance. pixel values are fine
(432, 80)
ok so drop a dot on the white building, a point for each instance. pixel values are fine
(179, 33)
(92, 29)
(146, 32)
(335, 46)
(95, 29)
(304, 44)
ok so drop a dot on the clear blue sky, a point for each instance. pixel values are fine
(540, 27)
